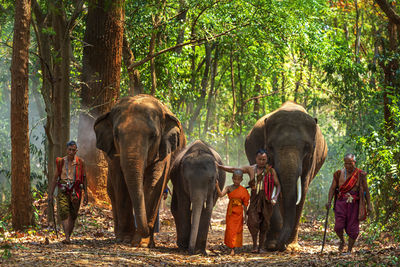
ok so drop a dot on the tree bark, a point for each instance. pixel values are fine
(21, 199)
(102, 60)
(211, 94)
(204, 83)
(135, 85)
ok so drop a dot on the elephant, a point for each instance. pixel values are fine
(193, 175)
(140, 137)
(297, 150)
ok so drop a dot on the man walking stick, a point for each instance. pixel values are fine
(326, 226)
(54, 218)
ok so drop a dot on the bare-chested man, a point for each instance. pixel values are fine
(349, 185)
(263, 179)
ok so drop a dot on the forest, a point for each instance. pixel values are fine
(219, 66)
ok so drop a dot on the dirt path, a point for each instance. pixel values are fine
(93, 244)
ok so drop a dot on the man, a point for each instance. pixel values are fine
(350, 188)
(70, 177)
(263, 179)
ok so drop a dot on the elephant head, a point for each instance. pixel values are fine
(143, 134)
(194, 175)
(297, 150)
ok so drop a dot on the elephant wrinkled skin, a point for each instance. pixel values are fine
(193, 175)
(140, 136)
(297, 150)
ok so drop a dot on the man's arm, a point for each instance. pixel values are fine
(367, 195)
(219, 192)
(331, 193)
(85, 198)
(229, 168)
(53, 187)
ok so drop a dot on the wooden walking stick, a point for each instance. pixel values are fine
(326, 226)
(54, 218)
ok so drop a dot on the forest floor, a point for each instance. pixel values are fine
(93, 244)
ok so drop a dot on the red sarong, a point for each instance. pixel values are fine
(349, 183)
(234, 217)
(268, 185)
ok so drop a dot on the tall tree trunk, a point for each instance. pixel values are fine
(204, 84)
(62, 48)
(181, 18)
(102, 60)
(358, 31)
(135, 85)
(211, 94)
(21, 199)
(233, 88)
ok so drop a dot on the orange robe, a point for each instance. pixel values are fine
(234, 217)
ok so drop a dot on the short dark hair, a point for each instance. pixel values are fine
(238, 173)
(72, 143)
(261, 151)
(350, 156)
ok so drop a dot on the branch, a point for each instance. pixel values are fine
(387, 8)
(198, 42)
(258, 97)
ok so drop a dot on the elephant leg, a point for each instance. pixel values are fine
(253, 223)
(180, 206)
(275, 228)
(114, 208)
(201, 241)
(126, 221)
(265, 224)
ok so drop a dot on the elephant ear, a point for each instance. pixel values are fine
(171, 139)
(104, 134)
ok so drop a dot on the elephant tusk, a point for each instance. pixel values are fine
(204, 205)
(273, 192)
(298, 190)
(191, 205)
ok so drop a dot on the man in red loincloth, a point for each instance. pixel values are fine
(352, 200)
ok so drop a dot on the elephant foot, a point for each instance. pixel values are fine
(282, 247)
(272, 245)
(293, 246)
(152, 244)
(145, 242)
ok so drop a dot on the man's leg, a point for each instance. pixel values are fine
(68, 226)
(353, 225)
(340, 221)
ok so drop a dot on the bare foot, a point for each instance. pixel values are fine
(232, 252)
(341, 246)
(261, 251)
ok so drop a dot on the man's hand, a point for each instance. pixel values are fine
(273, 201)
(328, 205)
(85, 200)
(165, 195)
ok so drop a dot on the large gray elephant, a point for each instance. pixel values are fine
(140, 136)
(297, 150)
(193, 175)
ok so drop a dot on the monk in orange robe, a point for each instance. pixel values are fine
(237, 210)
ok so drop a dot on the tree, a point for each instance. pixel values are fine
(52, 30)
(102, 58)
(21, 199)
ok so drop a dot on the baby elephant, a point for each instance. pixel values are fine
(193, 176)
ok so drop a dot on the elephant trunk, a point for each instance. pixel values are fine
(289, 171)
(198, 203)
(134, 167)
